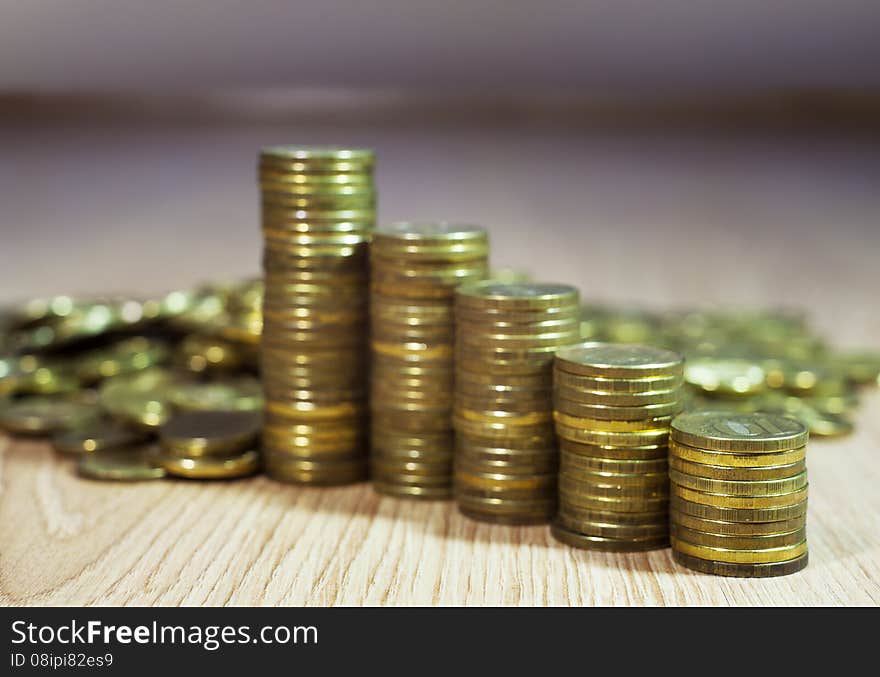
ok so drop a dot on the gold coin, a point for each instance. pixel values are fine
(730, 431)
(408, 491)
(621, 453)
(210, 433)
(742, 570)
(734, 556)
(563, 535)
(611, 426)
(124, 464)
(96, 436)
(779, 500)
(211, 467)
(614, 485)
(722, 527)
(653, 517)
(614, 504)
(745, 460)
(623, 439)
(531, 296)
(740, 487)
(613, 414)
(721, 472)
(46, 415)
(728, 542)
(728, 377)
(244, 394)
(613, 530)
(574, 463)
(608, 398)
(745, 515)
(619, 360)
(616, 386)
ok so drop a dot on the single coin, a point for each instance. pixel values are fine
(658, 529)
(744, 488)
(610, 426)
(127, 464)
(779, 500)
(734, 556)
(730, 431)
(610, 398)
(730, 542)
(96, 436)
(618, 453)
(742, 570)
(577, 480)
(538, 507)
(744, 460)
(736, 528)
(511, 519)
(619, 360)
(199, 433)
(619, 413)
(211, 467)
(721, 472)
(46, 415)
(746, 515)
(244, 394)
(574, 463)
(614, 504)
(615, 517)
(531, 296)
(563, 535)
(616, 386)
(622, 439)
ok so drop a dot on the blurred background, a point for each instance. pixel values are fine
(656, 154)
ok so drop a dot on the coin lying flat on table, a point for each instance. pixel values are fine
(211, 467)
(125, 464)
(210, 433)
(97, 436)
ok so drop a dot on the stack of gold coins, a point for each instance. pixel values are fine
(318, 210)
(506, 456)
(613, 406)
(739, 493)
(415, 268)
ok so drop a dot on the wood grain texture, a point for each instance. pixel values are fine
(656, 220)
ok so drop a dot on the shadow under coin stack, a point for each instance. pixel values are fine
(613, 406)
(506, 456)
(739, 493)
(318, 210)
(415, 268)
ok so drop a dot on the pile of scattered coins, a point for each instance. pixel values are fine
(506, 456)
(739, 493)
(415, 268)
(318, 211)
(613, 405)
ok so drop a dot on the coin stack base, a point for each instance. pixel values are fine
(739, 493)
(415, 268)
(613, 404)
(506, 456)
(318, 209)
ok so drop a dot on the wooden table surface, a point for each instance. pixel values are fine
(655, 220)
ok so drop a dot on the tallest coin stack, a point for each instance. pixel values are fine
(318, 211)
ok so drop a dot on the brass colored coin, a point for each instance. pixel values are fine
(407, 491)
(126, 356)
(619, 360)
(721, 472)
(619, 413)
(617, 386)
(728, 542)
(531, 296)
(622, 439)
(412, 467)
(588, 481)
(440, 232)
(45, 415)
(210, 433)
(317, 154)
(538, 507)
(502, 482)
(746, 515)
(614, 504)
(139, 399)
(574, 463)
(211, 467)
(574, 488)
(574, 512)
(745, 460)
(659, 529)
(307, 412)
(608, 398)
(127, 464)
(737, 528)
(610, 426)
(506, 519)
(744, 488)
(762, 556)
(726, 431)
(742, 570)
(779, 500)
(283, 473)
(506, 418)
(621, 453)
(203, 353)
(565, 313)
(96, 437)
(563, 535)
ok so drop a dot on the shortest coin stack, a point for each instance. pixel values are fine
(613, 404)
(210, 445)
(739, 493)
